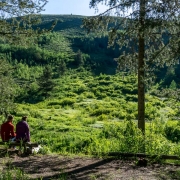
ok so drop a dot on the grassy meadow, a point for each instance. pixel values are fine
(88, 114)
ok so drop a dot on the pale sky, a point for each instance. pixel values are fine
(75, 7)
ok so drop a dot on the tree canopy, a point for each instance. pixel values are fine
(7, 87)
(18, 20)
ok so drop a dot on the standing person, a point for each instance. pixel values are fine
(7, 130)
(22, 130)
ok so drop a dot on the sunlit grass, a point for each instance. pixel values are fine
(91, 114)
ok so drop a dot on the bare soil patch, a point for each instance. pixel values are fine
(48, 167)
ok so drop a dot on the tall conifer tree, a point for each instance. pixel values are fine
(148, 30)
(45, 81)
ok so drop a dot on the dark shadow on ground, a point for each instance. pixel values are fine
(55, 167)
(51, 167)
(83, 172)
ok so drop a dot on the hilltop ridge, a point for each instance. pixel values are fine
(63, 22)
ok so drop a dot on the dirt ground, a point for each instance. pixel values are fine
(52, 167)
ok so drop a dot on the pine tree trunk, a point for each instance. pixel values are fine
(141, 91)
(141, 86)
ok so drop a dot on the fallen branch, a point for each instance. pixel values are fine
(139, 155)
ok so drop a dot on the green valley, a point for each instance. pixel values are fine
(78, 102)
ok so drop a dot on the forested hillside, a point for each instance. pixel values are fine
(71, 44)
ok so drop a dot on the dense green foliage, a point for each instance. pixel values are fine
(69, 44)
(76, 102)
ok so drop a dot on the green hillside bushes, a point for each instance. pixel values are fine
(172, 132)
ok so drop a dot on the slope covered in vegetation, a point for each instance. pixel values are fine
(77, 102)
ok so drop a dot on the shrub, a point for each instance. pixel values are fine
(172, 132)
(89, 95)
(88, 121)
(102, 110)
(151, 112)
(129, 89)
(111, 131)
(35, 114)
(158, 144)
(105, 82)
(133, 138)
(22, 113)
(67, 101)
(70, 94)
(80, 89)
(102, 117)
(51, 103)
(130, 97)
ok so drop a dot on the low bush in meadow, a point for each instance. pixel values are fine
(172, 131)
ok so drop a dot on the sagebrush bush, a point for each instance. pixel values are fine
(158, 144)
(67, 101)
(80, 89)
(88, 121)
(172, 132)
(89, 95)
(102, 110)
(52, 103)
(102, 117)
(36, 114)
